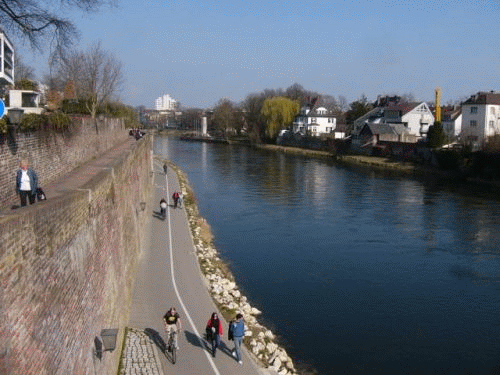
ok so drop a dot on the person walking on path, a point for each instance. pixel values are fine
(237, 328)
(165, 168)
(175, 197)
(26, 183)
(181, 199)
(163, 207)
(172, 322)
(214, 332)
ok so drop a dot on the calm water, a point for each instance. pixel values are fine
(358, 273)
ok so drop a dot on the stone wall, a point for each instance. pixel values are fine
(53, 154)
(66, 271)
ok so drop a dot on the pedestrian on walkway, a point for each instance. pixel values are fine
(26, 183)
(175, 197)
(173, 323)
(214, 332)
(237, 330)
(165, 168)
(163, 207)
(181, 199)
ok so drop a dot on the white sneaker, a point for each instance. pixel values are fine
(233, 353)
(240, 362)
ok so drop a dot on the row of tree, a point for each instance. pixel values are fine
(262, 115)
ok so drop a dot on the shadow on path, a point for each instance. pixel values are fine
(156, 338)
(158, 215)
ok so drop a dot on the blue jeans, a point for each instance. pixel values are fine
(237, 347)
(215, 343)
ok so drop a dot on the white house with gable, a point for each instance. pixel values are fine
(415, 117)
(315, 121)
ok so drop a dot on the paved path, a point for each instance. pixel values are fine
(169, 276)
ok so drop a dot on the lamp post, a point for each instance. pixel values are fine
(15, 116)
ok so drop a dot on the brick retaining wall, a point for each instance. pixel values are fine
(66, 271)
(53, 154)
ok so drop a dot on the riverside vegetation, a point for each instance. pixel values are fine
(223, 289)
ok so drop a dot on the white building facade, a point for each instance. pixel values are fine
(452, 123)
(165, 103)
(6, 60)
(481, 117)
(314, 122)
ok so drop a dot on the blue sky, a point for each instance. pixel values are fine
(201, 51)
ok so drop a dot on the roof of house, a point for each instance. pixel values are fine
(451, 114)
(403, 107)
(483, 97)
(386, 128)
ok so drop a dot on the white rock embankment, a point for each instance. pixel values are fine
(228, 297)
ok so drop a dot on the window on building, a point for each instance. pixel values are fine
(473, 123)
(473, 109)
(492, 124)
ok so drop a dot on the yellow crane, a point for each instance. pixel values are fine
(437, 91)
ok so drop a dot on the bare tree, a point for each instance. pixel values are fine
(224, 115)
(23, 71)
(41, 22)
(96, 75)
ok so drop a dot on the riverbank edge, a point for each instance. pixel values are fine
(260, 341)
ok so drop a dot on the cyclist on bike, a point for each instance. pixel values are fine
(173, 323)
(163, 207)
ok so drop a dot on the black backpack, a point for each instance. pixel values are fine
(40, 195)
(230, 331)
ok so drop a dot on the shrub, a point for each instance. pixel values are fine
(58, 121)
(449, 159)
(75, 106)
(32, 121)
(3, 126)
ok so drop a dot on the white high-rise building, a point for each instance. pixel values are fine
(165, 103)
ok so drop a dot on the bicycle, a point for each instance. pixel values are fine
(171, 346)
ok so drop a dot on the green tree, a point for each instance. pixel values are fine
(436, 136)
(279, 113)
(358, 109)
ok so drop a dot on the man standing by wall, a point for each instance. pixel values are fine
(26, 183)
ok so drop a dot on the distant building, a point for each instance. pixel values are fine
(314, 121)
(27, 100)
(165, 103)
(480, 117)
(416, 117)
(452, 122)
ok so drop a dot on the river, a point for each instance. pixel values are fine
(357, 272)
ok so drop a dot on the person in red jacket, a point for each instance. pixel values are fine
(214, 332)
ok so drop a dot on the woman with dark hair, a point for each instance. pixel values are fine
(214, 331)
